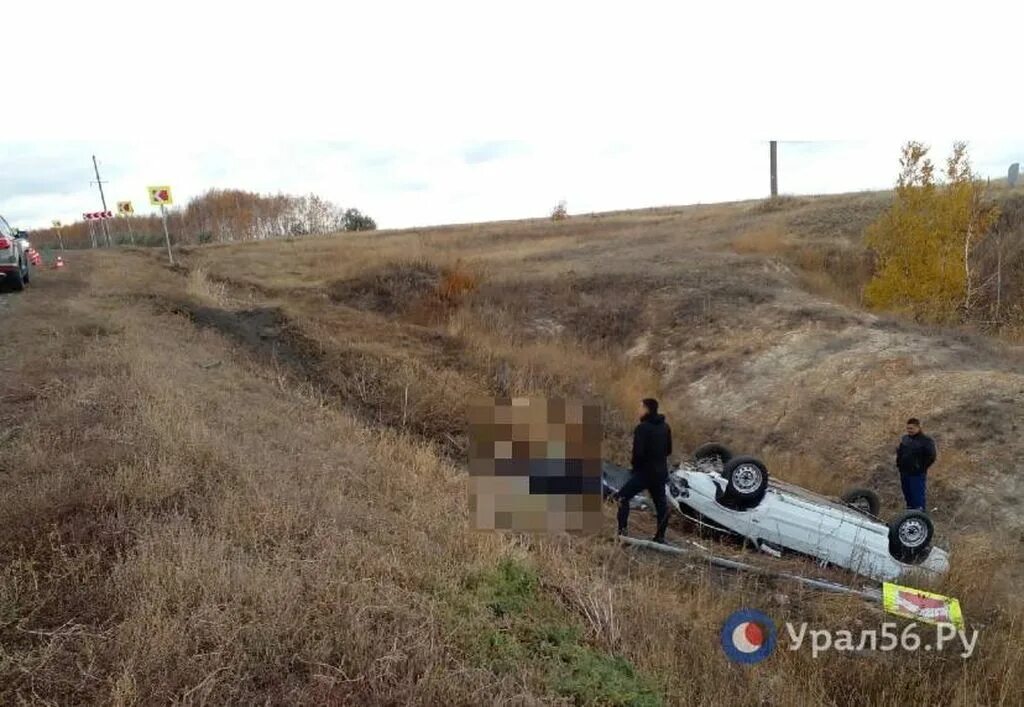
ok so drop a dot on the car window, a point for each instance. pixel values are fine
(5, 230)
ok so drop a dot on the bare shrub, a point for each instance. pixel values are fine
(457, 281)
(391, 288)
(200, 286)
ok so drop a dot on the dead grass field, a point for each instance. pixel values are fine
(241, 481)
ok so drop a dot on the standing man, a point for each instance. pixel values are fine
(913, 457)
(652, 443)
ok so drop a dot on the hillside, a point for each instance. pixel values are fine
(242, 479)
(710, 304)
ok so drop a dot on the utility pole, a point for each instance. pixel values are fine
(103, 199)
(773, 147)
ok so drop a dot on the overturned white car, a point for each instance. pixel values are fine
(735, 494)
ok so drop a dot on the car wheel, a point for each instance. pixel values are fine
(16, 280)
(746, 481)
(863, 500)
(910, 536)
(711, 456)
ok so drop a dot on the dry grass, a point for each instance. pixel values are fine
(202, 289)
(778, 203)
(768, 240)
(837, 273)
(805, 471)
(200, 515)
(173, 552)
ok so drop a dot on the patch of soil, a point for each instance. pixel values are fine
(380, 385)
(988, 420)
(262, 330)
(597, 309)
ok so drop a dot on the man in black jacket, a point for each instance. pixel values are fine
(652, 444)
(913, 457)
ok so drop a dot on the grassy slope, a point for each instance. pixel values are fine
(232, 493)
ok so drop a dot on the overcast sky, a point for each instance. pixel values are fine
(455, 182)
(427, 113)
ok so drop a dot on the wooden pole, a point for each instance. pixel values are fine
(999, 279)
(131, 234)
(167, 236)
(774, 159)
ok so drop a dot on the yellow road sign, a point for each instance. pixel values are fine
(125, 208)
(56, 224)
(921, 605)
(160, 196)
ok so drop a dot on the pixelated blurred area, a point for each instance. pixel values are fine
(535, 465)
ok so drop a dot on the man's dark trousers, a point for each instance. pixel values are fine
(914, 490)
(654, 484)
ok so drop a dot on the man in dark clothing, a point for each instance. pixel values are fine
(913, 457)
(652, 444)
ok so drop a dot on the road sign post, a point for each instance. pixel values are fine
(125, 208)
(161, 196)
(100, 216)
(60, 236)
(167, 236)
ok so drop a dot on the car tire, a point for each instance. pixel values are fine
(746, 481)
(712, 451)
(16, 280)
(864, 501)
(910, 536)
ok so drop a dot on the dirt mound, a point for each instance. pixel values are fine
(596, 310)
(394, 288)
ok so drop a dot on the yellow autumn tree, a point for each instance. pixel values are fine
(925, 240)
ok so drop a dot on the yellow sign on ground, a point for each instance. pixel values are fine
(160, 196)
(125, 208)
(921, 605)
